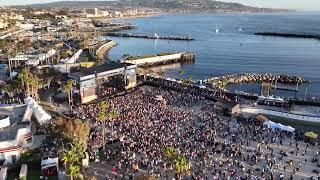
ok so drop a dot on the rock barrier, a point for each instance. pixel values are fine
(223, 81)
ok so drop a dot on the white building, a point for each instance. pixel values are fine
(16, 129)
(16, 133)
(34, 60)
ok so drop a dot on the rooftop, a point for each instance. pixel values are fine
(15, 116)
(98, 69)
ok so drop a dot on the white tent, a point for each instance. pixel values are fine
(274, 125)
(41, 116)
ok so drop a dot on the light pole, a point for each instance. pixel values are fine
(305, 94)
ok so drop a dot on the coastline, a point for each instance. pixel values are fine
(197, 12)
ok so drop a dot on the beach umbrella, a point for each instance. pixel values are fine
(311, 134)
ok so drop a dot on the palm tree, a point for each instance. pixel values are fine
(24, 77)
(72, 158)
(104, 105)
(9, 61)
(102, 117)
(113, 114)
(68, 87)
(74, 171)
(169, 153)
(180, 165)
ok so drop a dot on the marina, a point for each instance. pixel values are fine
(169, 96)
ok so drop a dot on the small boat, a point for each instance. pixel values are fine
(270, 98)
(217, 29)
(156, 36)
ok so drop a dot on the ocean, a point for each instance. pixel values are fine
(235, 49)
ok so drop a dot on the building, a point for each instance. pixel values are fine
(16, 133)
(17, 129)
(98, 79)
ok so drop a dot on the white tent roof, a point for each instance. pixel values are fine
(274, 125)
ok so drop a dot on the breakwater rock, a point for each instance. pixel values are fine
(288, 35)
(223, 81)
(128, 35)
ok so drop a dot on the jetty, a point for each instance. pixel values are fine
(288, 35)
(223, 81)
(159, 59)
(155, 36)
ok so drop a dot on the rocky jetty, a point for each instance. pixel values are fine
(223, 81)
(128, 35)
(288, 35)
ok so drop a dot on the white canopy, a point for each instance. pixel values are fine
(274, 125)
(41, 116)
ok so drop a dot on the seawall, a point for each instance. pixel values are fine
(161, 59)
(101, 51)
(223, 81)
(288, 35)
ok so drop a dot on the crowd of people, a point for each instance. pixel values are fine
(216, 147)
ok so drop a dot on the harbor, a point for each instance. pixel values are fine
(116, 97)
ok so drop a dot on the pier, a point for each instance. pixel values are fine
(160, 59)
(155, 36)
(288, 35)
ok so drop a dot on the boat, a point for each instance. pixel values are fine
(270, 98)
(217, 29)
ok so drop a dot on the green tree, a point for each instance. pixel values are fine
(9, 61)
(72, 158)
(169, 153)
(72, 128)
(178, 161)
(30, 83)
(112, 115)
(180, 165)
(102, 117)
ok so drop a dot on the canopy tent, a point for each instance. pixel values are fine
(41, 116)
(274, 125)
(311, 134)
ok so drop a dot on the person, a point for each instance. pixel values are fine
(281, 176)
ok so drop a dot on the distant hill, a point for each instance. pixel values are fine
(190, 5)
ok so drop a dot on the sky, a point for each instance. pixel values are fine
(287, 4)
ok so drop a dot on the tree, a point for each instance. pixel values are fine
(169, 153)
(9, 61)
(104, 105)
(177, 160)
(180, 165)
(112, 115)
(72, 128)
(73, 157)
(30, 83)
(11, 87)
(68, 87)
(102, 117)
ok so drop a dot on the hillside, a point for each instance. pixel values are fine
(165, 5)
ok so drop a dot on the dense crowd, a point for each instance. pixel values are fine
(215, 146)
